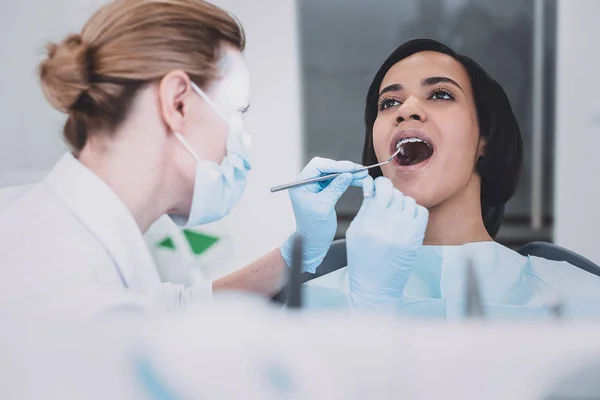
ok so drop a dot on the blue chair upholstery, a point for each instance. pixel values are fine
(551, 251)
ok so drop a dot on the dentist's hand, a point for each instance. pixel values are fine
(313, 204)
(382, 243)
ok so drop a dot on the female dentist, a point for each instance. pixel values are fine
(155, 92)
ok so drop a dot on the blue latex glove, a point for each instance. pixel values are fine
(313, 204)
(382, 243)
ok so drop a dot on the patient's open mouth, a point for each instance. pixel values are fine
(413, 151)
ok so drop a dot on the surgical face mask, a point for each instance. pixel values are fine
(217, 187)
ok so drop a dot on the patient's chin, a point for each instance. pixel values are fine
(420, 196)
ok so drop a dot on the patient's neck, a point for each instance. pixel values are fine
(457, 220)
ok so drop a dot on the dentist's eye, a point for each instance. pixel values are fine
(441, 94)
(385, 103)
(245, 109)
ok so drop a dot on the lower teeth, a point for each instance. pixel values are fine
(413, 153)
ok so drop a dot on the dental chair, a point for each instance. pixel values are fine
(493, 219)
(551, 251)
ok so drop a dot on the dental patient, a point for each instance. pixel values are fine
(460, 157)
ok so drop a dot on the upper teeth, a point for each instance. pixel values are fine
(410, 140)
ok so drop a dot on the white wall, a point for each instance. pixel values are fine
(577, 193)
(30, 138)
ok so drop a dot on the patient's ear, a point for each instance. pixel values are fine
(481, 148)
(480, 154)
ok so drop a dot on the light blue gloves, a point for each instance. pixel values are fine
(382, 243)
(313, 204)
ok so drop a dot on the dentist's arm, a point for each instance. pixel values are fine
(316, 223)
(264, 276)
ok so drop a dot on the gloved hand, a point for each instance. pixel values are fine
(381, 244)
(313, 204)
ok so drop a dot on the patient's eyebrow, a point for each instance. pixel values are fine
(433, 80)
(396, 87)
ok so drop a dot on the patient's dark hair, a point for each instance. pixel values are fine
(500, 166)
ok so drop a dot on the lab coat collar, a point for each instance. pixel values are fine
(108, 219)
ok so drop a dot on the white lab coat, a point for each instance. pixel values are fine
(69, 246)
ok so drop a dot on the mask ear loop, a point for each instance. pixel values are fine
(180, 137)
(246, 138)
(208, 100)
(186, 145)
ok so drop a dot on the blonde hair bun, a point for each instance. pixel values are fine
(64, 73)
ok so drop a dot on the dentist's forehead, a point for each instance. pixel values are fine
(232, 90)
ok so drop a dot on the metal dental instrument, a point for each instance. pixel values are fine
(332, 176)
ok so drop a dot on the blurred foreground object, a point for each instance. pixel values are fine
(241, 349)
